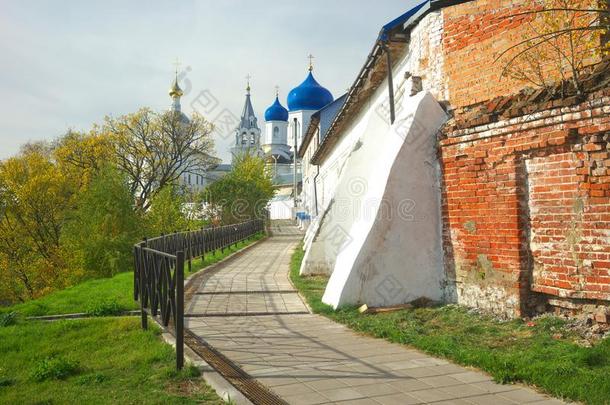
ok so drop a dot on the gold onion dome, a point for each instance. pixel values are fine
(175, 90)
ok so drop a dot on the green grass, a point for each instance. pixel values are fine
(106, 296)
(96, 361)
(509, 351)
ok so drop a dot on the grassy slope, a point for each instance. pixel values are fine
(116, 362)
(117, 290)
(509, 351)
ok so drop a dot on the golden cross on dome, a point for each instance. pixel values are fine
(277, 91)
(310, 57)
(177, 65)
(248, 77)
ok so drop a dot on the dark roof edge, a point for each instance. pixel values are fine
(422, 10)
(311, 128)
(438, 4)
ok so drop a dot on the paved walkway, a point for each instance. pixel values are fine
(249, 311)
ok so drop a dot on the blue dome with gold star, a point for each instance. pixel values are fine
(309, 95)
(276, 112)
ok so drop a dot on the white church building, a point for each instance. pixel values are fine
(282, 137)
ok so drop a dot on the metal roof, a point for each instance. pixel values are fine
(328, 114)
(399, 25)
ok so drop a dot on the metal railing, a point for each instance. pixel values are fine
(159, 271)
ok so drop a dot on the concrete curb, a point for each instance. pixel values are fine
(301, 296)
(223, 388)
(79, 315)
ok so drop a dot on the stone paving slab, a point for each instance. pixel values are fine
(245, 303)
(308, 359)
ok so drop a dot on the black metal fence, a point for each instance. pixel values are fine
(159, 270)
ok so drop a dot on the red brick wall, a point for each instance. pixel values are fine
(527, 208)
(474, 35)
(570, 219)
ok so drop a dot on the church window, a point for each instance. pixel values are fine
(276, 132)
(189, 179)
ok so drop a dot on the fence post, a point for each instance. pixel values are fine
(189, 242)
(142, 274)
(213, 240)
(223, 237)
(203, 245)
(179, 321)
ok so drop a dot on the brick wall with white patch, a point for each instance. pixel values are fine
(425, 57)
(526, 182)
(527, 208)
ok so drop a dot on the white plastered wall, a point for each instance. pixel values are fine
(387, 237)
(372, 255)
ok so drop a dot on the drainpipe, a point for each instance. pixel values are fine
(315, 178)
(385, 48)
(294, 180)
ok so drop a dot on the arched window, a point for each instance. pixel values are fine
(276, 132)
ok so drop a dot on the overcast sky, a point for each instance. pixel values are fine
(67, 64)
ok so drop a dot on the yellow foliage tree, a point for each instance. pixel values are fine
(82, 155)
(40, 188)
(34, 198)
(563, 37)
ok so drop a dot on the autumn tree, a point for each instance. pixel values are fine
(41, 190)
(244, 192)
(154, 150)
(35, 197)
(83, 155)
(99, 234)
(562, 38)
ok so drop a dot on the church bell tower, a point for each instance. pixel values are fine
(247, 134)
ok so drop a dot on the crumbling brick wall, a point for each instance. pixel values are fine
(526, 193)
(570, 221)
(474, 35)
(527, 204)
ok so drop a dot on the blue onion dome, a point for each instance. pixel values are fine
(276, 112)
(309, 95)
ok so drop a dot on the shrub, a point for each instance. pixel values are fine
(96, 378)
(55, 368)
(8, 319)
(4, 380)
(105, 308)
